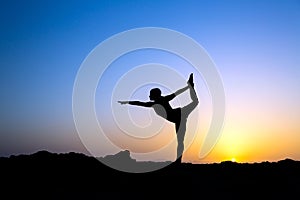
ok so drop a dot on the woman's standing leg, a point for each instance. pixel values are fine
(180, 133)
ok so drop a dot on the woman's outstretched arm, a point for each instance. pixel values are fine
(137, 103)
(173, 95)
(181, 90)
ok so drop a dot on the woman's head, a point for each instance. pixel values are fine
(155, 93)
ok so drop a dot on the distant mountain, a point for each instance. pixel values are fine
(74, 175)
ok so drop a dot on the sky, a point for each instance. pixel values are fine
(255, 46)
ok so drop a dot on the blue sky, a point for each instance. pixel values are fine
(255, 45)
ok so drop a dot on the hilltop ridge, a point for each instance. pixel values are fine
(77, 175)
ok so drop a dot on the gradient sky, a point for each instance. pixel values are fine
(254, 44)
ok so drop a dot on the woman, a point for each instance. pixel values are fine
(179, 116)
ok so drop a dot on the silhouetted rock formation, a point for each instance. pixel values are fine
(122, 155)
(73, 175)
(124, 162)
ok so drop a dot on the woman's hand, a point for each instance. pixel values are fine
(123, 102)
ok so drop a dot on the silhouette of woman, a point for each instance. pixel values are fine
(179, 116)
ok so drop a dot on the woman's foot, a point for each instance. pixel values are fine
(178, 160)
(191, 80)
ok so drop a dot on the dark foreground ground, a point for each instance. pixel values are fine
(45, 175)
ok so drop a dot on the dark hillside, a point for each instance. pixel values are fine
(72, 175)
